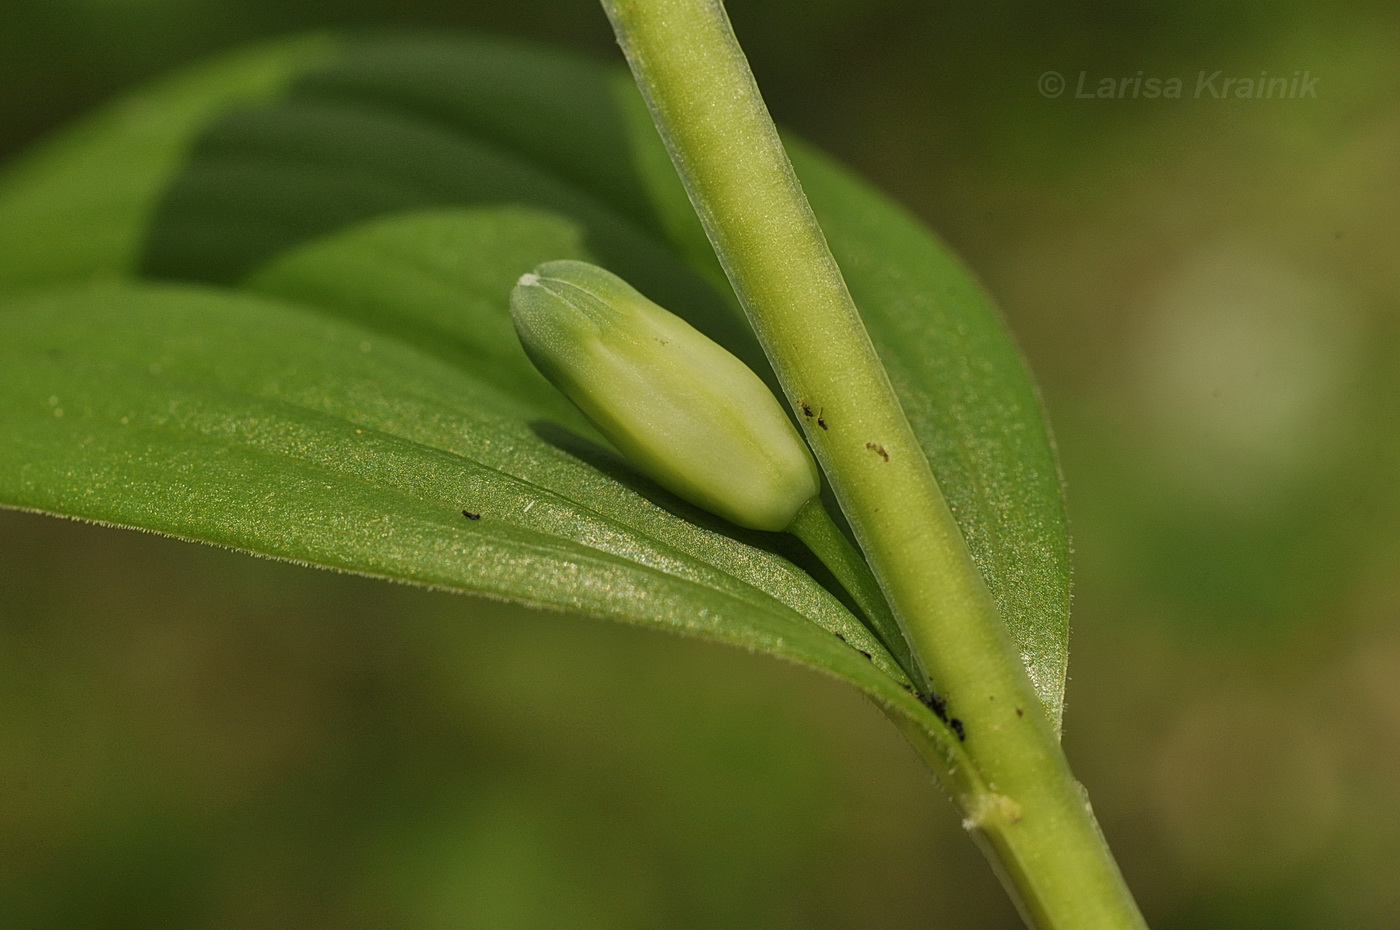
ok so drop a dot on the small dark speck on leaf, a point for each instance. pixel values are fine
(806, 410)
(821, 419)
(958, 728)
(1020, 712)
(471, 516)
(878, 450)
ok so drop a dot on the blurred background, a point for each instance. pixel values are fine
(1208, 290)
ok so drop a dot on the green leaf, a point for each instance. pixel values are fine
(79, 206)
(404, 124)
(386, 195)
(260, 425)
(439, 281)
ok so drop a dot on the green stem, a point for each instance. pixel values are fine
(1024, 806)
(819, 533)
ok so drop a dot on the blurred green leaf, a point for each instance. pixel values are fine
(385, 200)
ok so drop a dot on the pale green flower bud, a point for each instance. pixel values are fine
(681, 408)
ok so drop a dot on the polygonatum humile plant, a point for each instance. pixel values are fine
(266, 305)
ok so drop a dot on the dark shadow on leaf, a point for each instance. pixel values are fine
(404, 123)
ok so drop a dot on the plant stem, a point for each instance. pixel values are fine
(1027, 810)
(819, 533)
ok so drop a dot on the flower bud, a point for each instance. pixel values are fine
(681, 408)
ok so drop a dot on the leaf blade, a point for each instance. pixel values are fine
(77, 207)
(292, 441)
